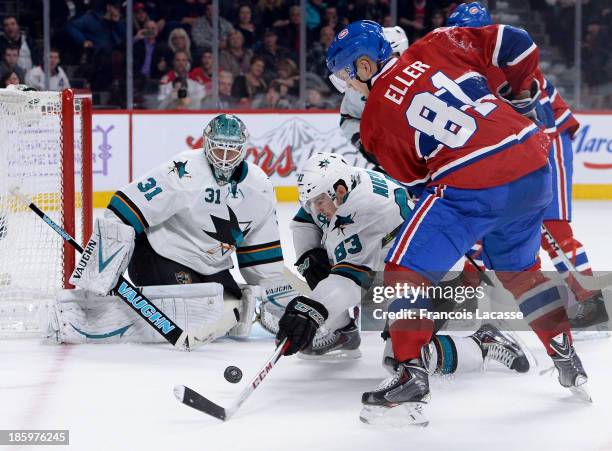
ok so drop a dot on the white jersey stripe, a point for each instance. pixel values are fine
(522, 56)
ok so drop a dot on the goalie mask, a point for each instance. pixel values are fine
(225, 139)
(320, 177)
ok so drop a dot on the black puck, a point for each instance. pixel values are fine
(232, 374)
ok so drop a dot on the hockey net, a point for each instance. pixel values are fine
(45, 151)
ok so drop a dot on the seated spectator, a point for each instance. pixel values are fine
(288, 77)
(100, 32)
(291, 32)
(178, 41)
(314, 15)
(202, 31)
(415, 17)
(9, 78)
(272, 99)
(203, 73)
(149, 55)
(437, 19)
(13, 36)
(141, 16)
(226, 100)
(271, 52)
(235, 58)
(177, 90)
(35, 78)
(10, 57)
(316, 57)
(182, 13)
(245, 25)
(315, 100)
(272, 13)
(330, 19)
(247, 86)
(102, 40)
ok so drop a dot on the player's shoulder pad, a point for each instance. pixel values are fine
(257, 179)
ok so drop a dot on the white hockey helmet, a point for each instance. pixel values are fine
(320, 175)
(396, 36)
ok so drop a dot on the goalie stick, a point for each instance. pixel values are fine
(124, 289)
(196, 401)
(591, 283)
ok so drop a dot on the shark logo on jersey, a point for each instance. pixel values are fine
(228, 232)
(342, 222)
(324, 163)
(180, 169)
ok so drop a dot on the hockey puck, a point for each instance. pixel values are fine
(232, 374)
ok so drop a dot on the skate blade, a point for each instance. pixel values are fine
(332, 356)
(407, 414)
(581, 392)
(587, 335)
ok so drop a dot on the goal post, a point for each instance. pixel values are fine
(45, 150)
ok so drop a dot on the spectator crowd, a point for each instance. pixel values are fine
(259, 45)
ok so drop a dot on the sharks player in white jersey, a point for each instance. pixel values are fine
(349, 217)
(179, 225)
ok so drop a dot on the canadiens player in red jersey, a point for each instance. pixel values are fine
(560, 125)
(430, 120)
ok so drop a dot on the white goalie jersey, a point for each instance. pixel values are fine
(356, 238)
(190, 219)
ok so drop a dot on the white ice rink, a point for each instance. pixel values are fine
(119, 397)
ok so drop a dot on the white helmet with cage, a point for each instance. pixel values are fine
(396, 36)
(225, 139)
(320, 177)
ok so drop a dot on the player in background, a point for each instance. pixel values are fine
(430, 119)
(178, 226)
(349, 216)
(560, 124)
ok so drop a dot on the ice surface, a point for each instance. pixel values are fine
(119, 397)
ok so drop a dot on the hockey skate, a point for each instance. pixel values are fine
(399, 400)
(590, 312)
(500, 347)
(569, 366)
(342, 344)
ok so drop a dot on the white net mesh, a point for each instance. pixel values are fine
(31, 253)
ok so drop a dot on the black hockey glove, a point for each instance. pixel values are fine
(302, 317)
(314, 266)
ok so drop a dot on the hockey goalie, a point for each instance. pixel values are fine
(175, 230)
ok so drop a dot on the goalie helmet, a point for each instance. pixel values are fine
(225, 139)
(320, 176)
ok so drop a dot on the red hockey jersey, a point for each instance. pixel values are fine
(432, 118)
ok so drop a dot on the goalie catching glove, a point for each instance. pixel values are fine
(105, 257)
(302, 317)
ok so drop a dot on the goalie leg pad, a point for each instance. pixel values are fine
(82, 317)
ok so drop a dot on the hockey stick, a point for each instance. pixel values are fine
(195, 400)
(296, 282)
(591, 283)
(124, 289)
